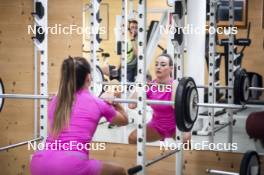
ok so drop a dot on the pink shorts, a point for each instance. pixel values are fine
(50, 162)
(165, 132)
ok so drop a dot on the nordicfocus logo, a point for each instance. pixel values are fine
(135, 88)
(189, 29)
(68, 146)
(59, 29)
(204, 145)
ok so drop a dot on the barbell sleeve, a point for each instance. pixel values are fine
(228, 106)
(24, 96)
(230, 87)
(210, 171)
(256, 89)
(20, 143)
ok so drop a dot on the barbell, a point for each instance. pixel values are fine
(241, 85)
(186, 103)
(249, 165)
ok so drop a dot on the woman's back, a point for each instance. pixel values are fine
(85, 115)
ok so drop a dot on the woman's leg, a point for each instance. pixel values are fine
(112, 169)
(152, 135)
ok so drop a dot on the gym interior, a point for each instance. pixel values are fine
(216, 90)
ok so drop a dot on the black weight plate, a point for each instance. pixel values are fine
(255, 81)
(250, 164)
(238, 86)
(245, 88)
(181, 104)
(179, 107)
(2, 91)
(237, 83)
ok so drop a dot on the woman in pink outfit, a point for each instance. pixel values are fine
(73, 118)
(162, 124)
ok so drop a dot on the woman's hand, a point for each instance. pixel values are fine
(108, 97)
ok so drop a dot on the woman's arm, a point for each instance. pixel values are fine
(121, 118)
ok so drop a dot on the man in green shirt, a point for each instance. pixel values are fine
(132, 51)
(115, 73)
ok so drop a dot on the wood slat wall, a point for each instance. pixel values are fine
(17, 72)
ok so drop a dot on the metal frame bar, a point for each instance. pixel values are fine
(231, 52)
(179, 22)
(212, 55)
(94, 44)
(124, 36)
(141, 131)
(35, 84)
(161, 157)
(20, 143)
(43, 49)
(222, 127)
(151, 162)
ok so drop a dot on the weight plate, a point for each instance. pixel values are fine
(99, 76)
(192, 108)
(181, 104)
(246, 85)
(250, 164)
(2, 91)
(238, 91)
(255, 81)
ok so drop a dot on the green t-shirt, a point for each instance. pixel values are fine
(130, 51)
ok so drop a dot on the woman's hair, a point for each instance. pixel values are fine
(73, 75)
(169, 58)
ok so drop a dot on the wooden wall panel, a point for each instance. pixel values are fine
(17, 72)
